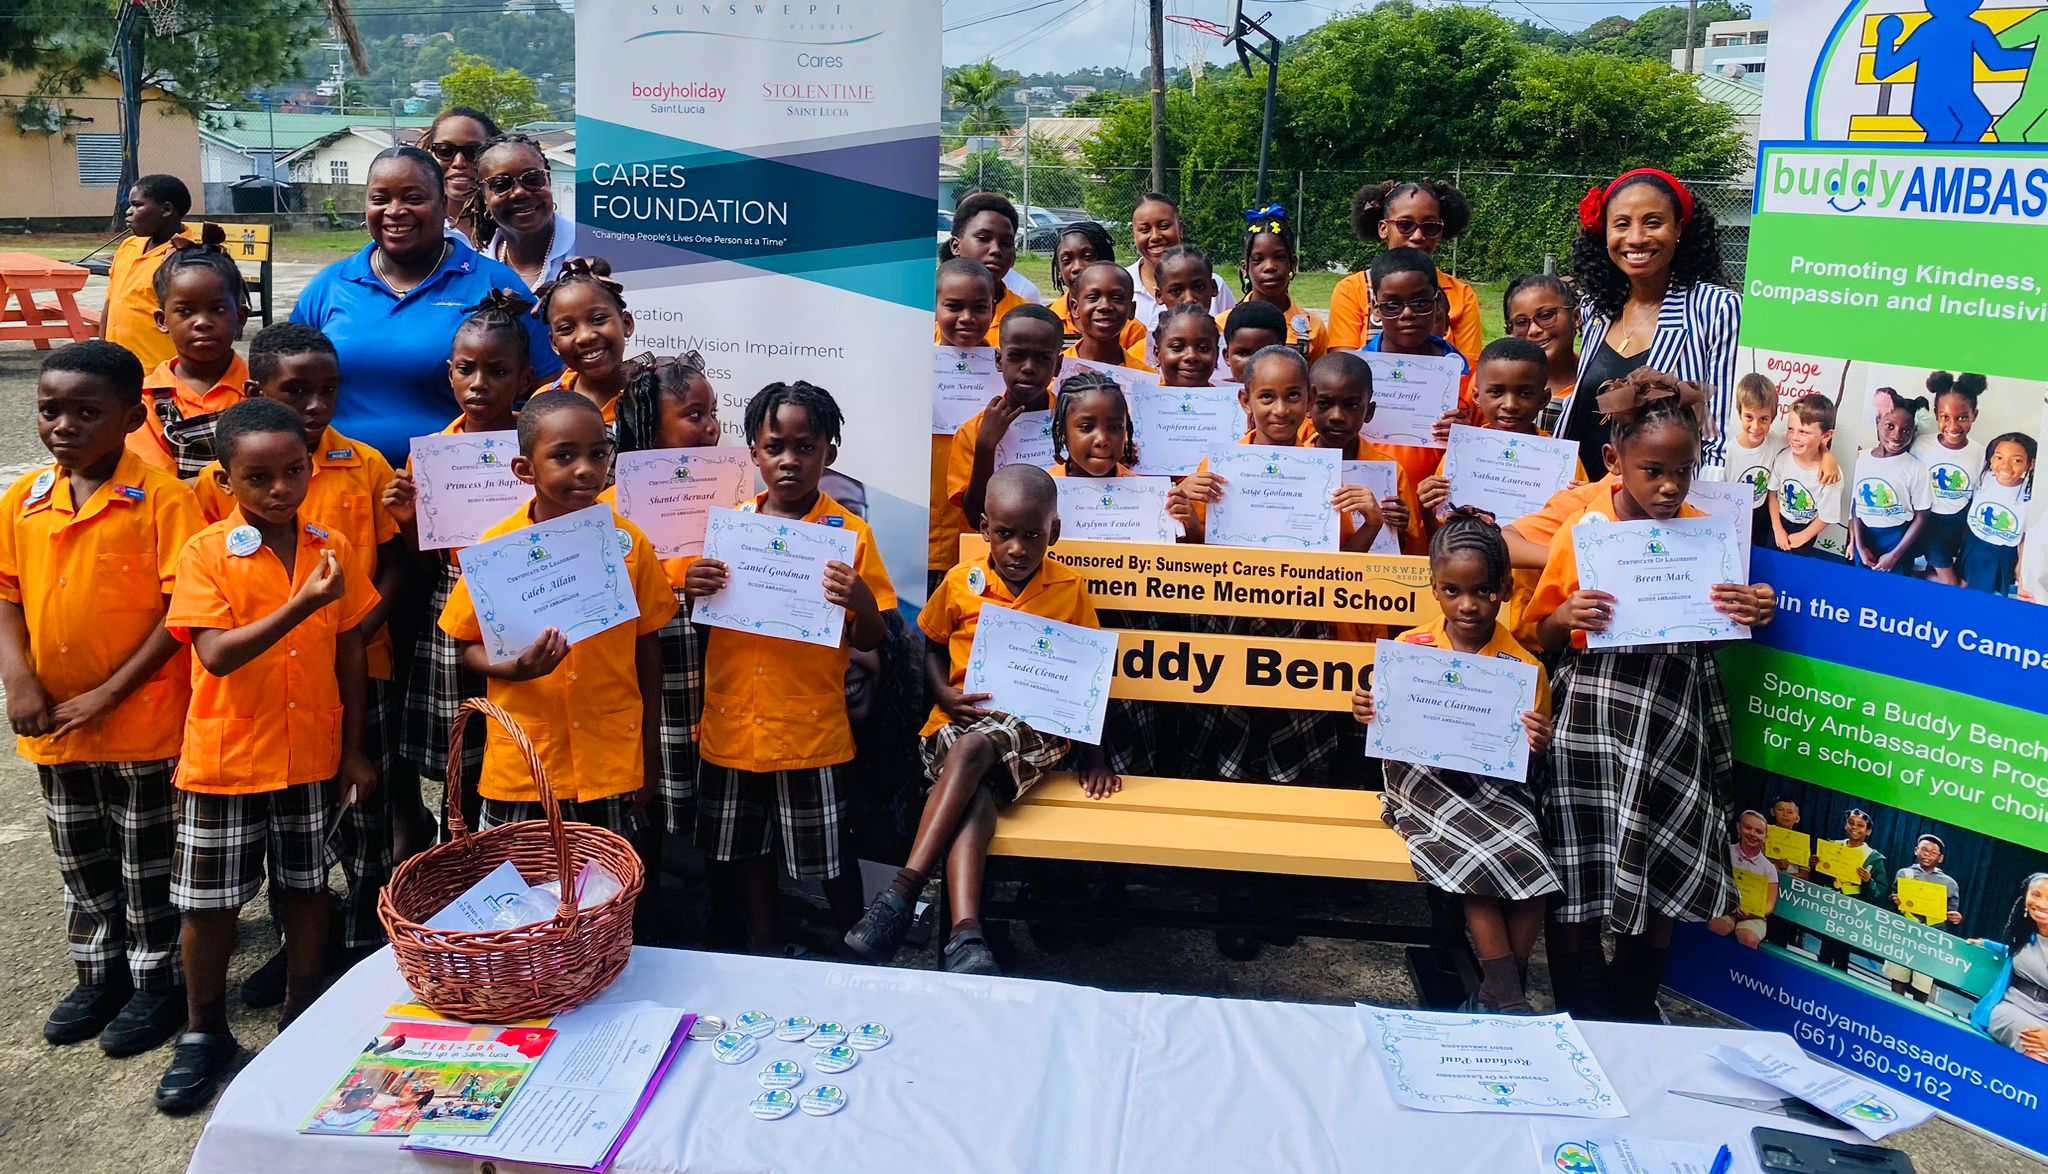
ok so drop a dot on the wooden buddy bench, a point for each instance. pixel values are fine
(1233, 826)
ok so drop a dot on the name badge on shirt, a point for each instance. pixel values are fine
(316, 531)
(244, 541)
(131, 492)
(340, 454)
(836, 522)
(45, 481)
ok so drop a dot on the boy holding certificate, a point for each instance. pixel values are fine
(963, 316)
(593, 710)
(1636, 814)
(1406, 295)
(976, 759)
(1027, 359)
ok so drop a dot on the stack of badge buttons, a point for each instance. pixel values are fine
(837, 1049)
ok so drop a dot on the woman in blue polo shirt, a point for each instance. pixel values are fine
(391, 310)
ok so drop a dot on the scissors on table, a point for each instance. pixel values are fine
(1791, 1107)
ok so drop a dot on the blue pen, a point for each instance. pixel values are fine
(1722, 1161)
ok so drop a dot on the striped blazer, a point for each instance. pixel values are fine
(1696, 331)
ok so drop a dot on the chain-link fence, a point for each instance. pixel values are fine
(1520, 219)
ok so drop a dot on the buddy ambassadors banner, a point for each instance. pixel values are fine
(1896, 297)
(763, 178)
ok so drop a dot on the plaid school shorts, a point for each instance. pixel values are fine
(613, 813)
(223, 841)
(682, 707)
(114, 826)
(738, 817)
(1022, 753)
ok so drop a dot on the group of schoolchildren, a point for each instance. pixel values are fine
(221, 706)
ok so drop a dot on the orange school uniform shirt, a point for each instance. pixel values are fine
(1133, 339)
(566, 381)
(960, 468)
(149, 441)
(1303, 326)
(1503, 645)
(1134, 355)
(345, 495)
(130, 314)
(1560, 576)
(672, 569)
(585, 717)
(773, 704)
(1008, 302)
(953, 613)
(1351, 314)
(1414, 539)
(276, 721)
(91, 578)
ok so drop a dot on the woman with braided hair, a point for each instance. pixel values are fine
(514, 209)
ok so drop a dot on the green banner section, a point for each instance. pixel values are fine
(1945, 755)
(1898, 291)
(1883, 934)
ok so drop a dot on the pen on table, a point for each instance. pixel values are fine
(1722, 1161)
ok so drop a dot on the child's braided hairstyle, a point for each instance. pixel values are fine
(1469, 530)
(815, 401)
(1072, 388)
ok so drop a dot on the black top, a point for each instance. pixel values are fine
(1585, 425)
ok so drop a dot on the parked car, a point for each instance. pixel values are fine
(1041, 229)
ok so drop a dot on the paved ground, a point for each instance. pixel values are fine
(71, 1111)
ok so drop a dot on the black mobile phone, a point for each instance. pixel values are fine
(1780, 1152)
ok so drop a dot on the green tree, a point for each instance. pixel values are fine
(507, 95)
(1097, 104)
(1655, 33)
(978, 91)
(987, 171)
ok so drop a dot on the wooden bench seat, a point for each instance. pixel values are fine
(1194, 823)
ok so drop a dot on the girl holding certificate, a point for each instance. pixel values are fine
(1470, 834)
(1638, 810)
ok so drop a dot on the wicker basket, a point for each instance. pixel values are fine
(498, 976)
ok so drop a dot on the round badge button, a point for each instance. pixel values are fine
(795, 1028)
(775, 1104)
(836, 1059)
(707, 1027)
(824, 1100)
(830, 1032)
(244, 541)
(734, 1047)
(869, 1036)
(781, 1074)
(755, 1023)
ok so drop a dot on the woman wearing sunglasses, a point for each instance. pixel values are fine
(455, 139)
(1406, 214)
(515, 209)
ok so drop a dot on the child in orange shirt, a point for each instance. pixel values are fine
(1249, 329)
(584, 313)
(1102, 307)
(202, 304)
(272, 605)
(985, 230)
(1080, 245)
(1267, 266)
(775, 726)
(592, 709)
(1027, 360)
(1540, 307)
(1186, 344)
(1407, 214)
(96, 689)
(964, 315)
(157, 206)
(1340, 402)
(979, 760)
(1637, 811)
(1406, 300)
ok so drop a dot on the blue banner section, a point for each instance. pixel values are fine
(1972, 642)
(1926, 1055)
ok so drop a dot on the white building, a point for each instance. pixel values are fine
(1729, 48)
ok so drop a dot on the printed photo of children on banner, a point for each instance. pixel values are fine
(1930, 916)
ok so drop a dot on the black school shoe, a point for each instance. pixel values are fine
(85, 1012)
(880, 932)
(265, 985)
(202, 1061)
(150, 1018)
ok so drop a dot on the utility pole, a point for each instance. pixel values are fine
(1025, 227)
(128, 63)
(1692, 15)
(1158, 22)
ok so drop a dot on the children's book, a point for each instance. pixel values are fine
(431, 1078)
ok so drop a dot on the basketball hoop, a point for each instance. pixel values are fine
(1190, 42)
(166, 17)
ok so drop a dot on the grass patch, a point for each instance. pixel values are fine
(314, 246)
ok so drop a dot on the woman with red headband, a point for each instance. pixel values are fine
(1647, 261)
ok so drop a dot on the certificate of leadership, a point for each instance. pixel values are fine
(964, 379)
(1661, 575)
(669, 492)
(1507, 474)
(568, 574)
(1383, 480)
(466, 485)
(1448, 1062)
(1054, 677)
(1410, 393)
(1451, 710)
(775, 576)
(1116, 509)
(1027, 442)
(1175, 427)
(1279, 498)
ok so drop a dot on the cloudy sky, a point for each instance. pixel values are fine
(1033, 35)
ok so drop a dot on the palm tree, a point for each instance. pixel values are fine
(977, 89)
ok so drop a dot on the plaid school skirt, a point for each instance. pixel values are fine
(682, 707)
(1132, 731)
(1469, 834)
(1251, 745)
(1636, 817)
(436, 688)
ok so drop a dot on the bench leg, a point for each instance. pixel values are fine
(73, 316)
(31, 317)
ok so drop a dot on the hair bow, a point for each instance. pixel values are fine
(1593, 205)
(595, 269)
(1619, 397)
(1271, 218)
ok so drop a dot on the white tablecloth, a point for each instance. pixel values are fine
(996, 1074)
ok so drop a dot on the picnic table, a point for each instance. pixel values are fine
(23, 278)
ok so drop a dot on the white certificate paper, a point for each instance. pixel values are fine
(1116, 509)
(1451, 710)
(1128, 378)
(1383, 478)
(668, 492)
(1661, 575)
(775, 576)
(1733, 500)
(1410, 393)
(465, 484)
(1054, 677)
(1573, 1150)
(964, 379)
(1870, 1109)
(1507, 474)
(1447, 1062)
(1275, 497)
(1028, 442)
(1175, 427)
(569, 573)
